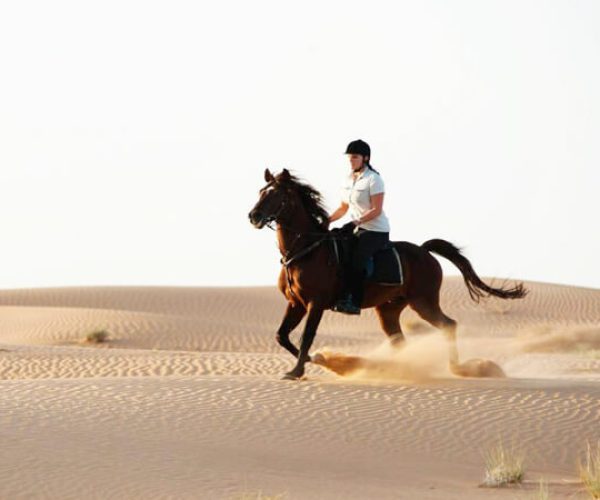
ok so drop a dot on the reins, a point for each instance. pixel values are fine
(286, 261)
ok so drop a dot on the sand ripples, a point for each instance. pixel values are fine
(186, 396)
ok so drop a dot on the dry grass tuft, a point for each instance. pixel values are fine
(542, 492)
(97, 337)
(589, 470)
(503, 466)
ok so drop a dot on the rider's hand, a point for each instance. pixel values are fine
(348, 227)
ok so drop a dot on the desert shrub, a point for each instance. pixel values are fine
(97, 337)
(503, 466)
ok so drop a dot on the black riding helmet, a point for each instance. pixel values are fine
(358, 147)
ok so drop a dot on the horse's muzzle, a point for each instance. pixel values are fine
(257, 219)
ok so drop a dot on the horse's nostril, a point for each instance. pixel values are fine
(254, 216)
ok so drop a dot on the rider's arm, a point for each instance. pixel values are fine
(339, 213)
(376, 190)
(375, 210)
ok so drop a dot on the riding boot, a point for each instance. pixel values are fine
(351, 297)
(346, 305)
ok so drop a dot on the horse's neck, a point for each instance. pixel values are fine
(296, 233)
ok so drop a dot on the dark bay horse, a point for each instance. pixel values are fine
(311, 281)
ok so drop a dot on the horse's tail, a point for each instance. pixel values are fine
(477, 288)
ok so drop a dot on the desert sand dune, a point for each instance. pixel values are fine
(185, 399)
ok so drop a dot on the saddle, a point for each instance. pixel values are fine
(383, 268)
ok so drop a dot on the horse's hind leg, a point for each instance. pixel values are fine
(431, 312)
(389, 318)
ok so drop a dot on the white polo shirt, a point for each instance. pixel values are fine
(357, 193)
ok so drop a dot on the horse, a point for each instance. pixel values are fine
(311, 281)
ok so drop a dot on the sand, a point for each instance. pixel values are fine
(185, 399)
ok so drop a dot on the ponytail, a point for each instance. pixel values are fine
(369, 165)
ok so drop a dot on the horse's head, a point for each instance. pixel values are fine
(274, 199)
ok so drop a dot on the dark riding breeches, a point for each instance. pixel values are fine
(365, 244)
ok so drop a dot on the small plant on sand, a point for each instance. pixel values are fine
(589, 470)
(97, 337)
(503, 466)
(542, 492)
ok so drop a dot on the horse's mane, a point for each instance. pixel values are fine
(312, 201)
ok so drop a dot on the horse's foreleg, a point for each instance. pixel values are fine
(315, 313)
(292, 317)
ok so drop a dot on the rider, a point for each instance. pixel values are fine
(363, 192)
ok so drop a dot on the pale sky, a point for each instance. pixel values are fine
(134, 135)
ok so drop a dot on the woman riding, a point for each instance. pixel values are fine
(363, 192)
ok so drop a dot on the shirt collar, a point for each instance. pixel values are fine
(361, 175)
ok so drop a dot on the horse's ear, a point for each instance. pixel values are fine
(268, 175)
(285, 175)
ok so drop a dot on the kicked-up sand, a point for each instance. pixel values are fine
(185, 400)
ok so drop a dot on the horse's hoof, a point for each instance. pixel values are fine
(290, 376)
